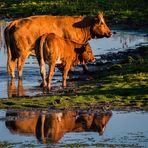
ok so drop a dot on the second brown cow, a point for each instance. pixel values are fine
(54, 50)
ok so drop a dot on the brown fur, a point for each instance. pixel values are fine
(21, 35)
(55, 50)
(53, 126)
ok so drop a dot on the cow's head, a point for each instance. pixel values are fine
(99, 29)
(87, 54)
(100, 121)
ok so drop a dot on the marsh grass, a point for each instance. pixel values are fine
(133, 13)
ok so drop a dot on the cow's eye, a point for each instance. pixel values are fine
(96, 20)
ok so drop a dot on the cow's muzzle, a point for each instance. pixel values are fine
(93, 60)
(108, 34)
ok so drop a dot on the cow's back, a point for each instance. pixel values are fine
(57, 48)
(27, 30)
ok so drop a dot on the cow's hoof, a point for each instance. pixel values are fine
(64, 86)
(49, 87)
(43, 85)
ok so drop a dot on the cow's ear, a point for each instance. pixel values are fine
(95, 19)
(98, 16)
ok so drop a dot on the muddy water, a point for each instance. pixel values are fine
(73, 128)
(121, 40)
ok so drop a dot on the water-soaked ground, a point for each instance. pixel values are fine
(73, 128)
(29, 86)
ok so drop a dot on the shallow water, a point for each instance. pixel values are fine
(121, 40)
(46, 128)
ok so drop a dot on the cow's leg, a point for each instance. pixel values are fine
(65, 73)
(50, 75)
(11, 67)
(20, 66)
(85, 68)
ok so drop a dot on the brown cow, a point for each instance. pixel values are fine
(53, 125)
(21, 35)
(55, 50)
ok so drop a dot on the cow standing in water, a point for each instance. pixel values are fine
(55, 50)
(21, 35)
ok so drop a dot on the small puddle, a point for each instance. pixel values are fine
(29, 86)
(73, 128)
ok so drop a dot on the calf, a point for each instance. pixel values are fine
(55, 50)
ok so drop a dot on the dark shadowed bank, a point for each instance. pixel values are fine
(119, 83)
(132, 13)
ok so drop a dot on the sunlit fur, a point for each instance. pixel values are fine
(55, 50)
(21, 35)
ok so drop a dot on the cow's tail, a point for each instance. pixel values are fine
(9, 55)
(41, 56)
(42, 40)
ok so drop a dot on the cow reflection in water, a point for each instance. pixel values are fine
(14, 91)
(51, 126)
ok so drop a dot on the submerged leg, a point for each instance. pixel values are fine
(65, 73)
(50, 75)
(20, 66)
(85, 68)
(11, 67)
